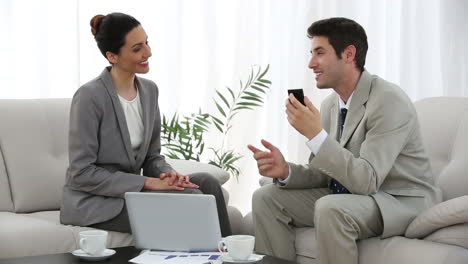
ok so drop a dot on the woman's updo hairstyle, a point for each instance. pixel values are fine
(110, 31)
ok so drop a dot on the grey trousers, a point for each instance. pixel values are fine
(339, 221)
(208, 185)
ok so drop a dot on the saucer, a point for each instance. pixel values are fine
(83, 255)
(252, 258)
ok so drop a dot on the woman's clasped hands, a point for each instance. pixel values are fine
(171, 180)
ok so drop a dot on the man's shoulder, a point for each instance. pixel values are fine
(388, 100)
(385, 92)
(383, 84)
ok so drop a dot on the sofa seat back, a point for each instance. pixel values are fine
(444, 128)
(34, 155)
(33, 152)
(6, 203)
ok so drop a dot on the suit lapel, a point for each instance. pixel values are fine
(146, 103)
(334, 119)
(109, 84)
(357, 108)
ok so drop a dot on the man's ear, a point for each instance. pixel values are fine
(111, 57)
(349, 53)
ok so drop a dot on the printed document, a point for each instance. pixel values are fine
(166, 257)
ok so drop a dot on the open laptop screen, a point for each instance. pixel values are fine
(173, 221)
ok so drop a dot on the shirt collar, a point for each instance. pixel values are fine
(342, 103)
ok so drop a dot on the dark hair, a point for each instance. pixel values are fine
(341, 33)
(110, 31)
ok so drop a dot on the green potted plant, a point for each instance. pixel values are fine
(183, 137)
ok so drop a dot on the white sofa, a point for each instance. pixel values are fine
(33, 159)
(440, 234)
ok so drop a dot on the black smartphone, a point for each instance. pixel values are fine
(298, 93)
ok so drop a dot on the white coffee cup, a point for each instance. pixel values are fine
(239, 247)
(93, 242)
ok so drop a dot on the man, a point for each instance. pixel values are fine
(366, 149)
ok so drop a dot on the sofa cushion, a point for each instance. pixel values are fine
(247, 226)
(235, 219)
(444, 126)
(23, 235)
(403, 250)
(453, 180)
(6, 204)
(34, 135)
(114, 239)
(391, 250)
(453, 235)
(451, 212)
(41, 233)
(191, 166)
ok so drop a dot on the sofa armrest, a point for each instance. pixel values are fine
(248, 227)
(191, 166)
(450, 212)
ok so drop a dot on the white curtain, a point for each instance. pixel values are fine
(39, 48)
(202, 45)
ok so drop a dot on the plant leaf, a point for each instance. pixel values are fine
(214, 163)
(251, 98)
(252, 94)
(220, 109)
(242, 107)
(217, 120)
(222, 98)
(232, 93)
(203, 126)
(264, 72)
(219, 127)
(250, 76)
(257, 88)
(258, 72)
(261, 84)
(247, 103)
(264, 81)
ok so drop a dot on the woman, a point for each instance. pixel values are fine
(115, 133)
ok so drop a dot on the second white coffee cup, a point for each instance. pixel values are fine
(239, 247)
(93, 242)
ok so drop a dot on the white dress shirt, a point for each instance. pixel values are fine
(133, 114)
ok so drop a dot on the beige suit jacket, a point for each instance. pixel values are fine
(380, 153)
(103, 165)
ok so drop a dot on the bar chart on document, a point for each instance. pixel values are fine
(165, 257)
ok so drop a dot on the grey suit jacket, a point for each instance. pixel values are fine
(103, 165)
(380, 153)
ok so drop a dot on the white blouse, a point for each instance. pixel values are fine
(133, 115)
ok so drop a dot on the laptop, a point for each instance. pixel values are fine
(173, 221)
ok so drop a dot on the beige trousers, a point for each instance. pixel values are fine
(339, 221)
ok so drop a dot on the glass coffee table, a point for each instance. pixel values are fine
(122, 256)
